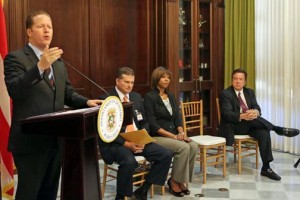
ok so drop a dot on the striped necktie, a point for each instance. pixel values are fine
(242, 103)
(49, 76)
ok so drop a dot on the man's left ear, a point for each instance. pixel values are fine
(28, 31)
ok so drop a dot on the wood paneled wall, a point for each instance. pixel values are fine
(97, 37)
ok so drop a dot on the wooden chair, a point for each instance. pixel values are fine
(139, 175)
(211, 147)
(244, 145)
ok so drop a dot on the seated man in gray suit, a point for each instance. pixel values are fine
(241, 114)
(123, 152)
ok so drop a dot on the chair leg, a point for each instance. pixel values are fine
(204, 165)
(162, 190)
(201, 162)
(256, 154)
(143, 178)
(234, 152)
(217, 159)
(152, 191)
(239, 158)
(224, 160)
(104, 180)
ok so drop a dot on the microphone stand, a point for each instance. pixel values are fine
(87, 78)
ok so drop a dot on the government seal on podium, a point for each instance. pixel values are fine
(110, 119)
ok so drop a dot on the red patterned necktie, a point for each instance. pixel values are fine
(242, 104)
(129, 127)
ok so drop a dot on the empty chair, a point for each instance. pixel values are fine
(212, 148)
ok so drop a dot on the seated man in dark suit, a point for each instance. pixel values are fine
(123, 152)
(241, 114)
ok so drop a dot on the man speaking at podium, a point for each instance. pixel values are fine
(38, 84)
(122, 152)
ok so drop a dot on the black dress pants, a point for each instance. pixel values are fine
(38, 174)
(259, 129)
(159, 156)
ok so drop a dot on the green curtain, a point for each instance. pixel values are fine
(239, 39)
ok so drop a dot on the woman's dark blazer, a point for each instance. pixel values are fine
(158, 115)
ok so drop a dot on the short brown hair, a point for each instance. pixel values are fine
(124, 70)
(157, 74)
(239, 71)
(30, 16)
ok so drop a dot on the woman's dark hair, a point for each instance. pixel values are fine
(157, 74)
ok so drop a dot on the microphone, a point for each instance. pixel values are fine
(87, 78)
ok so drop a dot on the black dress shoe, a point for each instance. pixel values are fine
(288, 132)
(176, 194)
(140, 194)
(270, 174)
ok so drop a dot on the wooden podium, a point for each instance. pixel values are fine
(78, 130)
(80, 169)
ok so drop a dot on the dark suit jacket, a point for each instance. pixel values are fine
(158, 115)
(32, 95)
(107, 149)
(230, 112)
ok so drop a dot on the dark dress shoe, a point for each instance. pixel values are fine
(176, 194)
(270, 174)
(288, 132)
(140, 193)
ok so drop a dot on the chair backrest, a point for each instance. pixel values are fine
(192, 116)
(218, 111)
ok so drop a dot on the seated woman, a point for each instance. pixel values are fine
(166, 127)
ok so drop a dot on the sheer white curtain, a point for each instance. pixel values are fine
(277, 35)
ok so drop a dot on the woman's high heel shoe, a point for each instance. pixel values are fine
(186, 192)
(176, 194)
